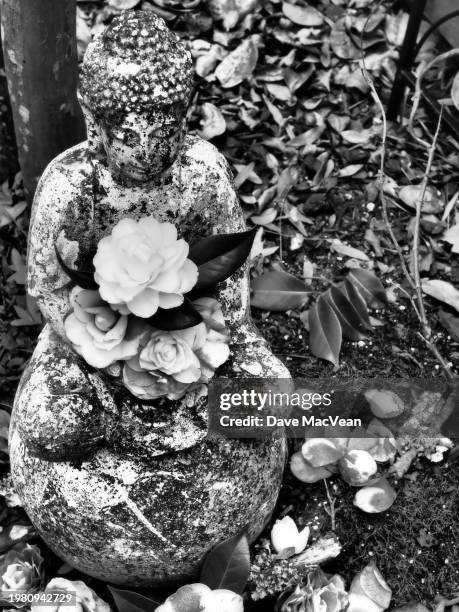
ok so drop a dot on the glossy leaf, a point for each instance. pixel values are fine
(130, 601)
(219, 256)
(450, 323)
(443, 291)
(349, 318)
(369, 286)
(278, 290)
(325, 334)
(227, 566)
(181, 317)
(357, 301)
(82, 278)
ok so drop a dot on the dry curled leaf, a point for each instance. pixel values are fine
(213, 123)
(303, 15)
(239, 64)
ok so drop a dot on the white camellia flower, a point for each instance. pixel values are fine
(84, 599)
(285, 535)
(142, 266)
(99, 334)
(170, 361)
(200, 598)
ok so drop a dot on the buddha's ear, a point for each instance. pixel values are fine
(92, 128)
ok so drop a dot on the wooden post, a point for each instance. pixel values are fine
(40, 52)
(8, 154)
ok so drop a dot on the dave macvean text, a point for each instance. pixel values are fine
(275, 421)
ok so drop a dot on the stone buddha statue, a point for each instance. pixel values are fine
(124, 488)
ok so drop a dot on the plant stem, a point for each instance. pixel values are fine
(331, 504)
(416, 234)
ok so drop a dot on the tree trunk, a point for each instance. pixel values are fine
(8, 154)
(40, 52)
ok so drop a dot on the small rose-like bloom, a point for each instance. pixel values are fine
(357, 467)
(285, 535)
(331, 597)
(98, 333)
(199, 598)
(21, 570)
(83, 599)
(170, 361)
(142, 266)
(172, 354)
(320, 594)
(214, 351)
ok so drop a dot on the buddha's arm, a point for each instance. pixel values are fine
(251, 355)
(54, 211)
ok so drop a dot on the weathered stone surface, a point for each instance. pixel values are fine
(128, 491)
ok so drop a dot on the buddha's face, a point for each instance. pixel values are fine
(140, 149)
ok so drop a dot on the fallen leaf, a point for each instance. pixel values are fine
(344, 249)
(357, 136)
(455, 91)
(375, 498)
(411, 194)
(278, 290)
(325, 334)
(452, 236)
(213, 123)
(123, 5)
(239, 64)
(369, 287)
(8, 212)
(450, 323)
(19, 267)
(303, 15)
(443, 291)
(267, 216)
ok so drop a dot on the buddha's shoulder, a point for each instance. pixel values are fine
(68, 172)
(203, 157)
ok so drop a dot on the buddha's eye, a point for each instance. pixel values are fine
(130, 137)
(165, 130)
(126, 136)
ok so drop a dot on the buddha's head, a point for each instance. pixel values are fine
(135, 89)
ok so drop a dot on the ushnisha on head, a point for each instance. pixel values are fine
(135, 88)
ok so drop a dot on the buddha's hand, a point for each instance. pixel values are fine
(255, 359)
(59, 411)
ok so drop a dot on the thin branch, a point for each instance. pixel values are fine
(382, 177)
(331, 506)
(417, 229)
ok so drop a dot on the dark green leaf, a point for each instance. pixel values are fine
(369, 286)
(227, 566)
(357, 301)
(130, 601)
(219, 256)
(351, 323)
(450, 322)
(82, 278)
(181, 317)
(278, 290)
(325, 334)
